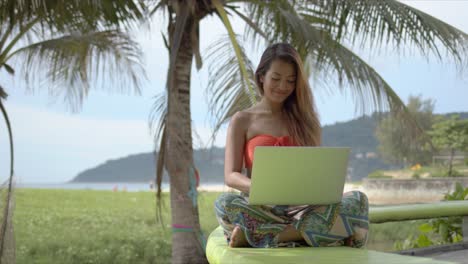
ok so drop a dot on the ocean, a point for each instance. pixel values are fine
(118, 186)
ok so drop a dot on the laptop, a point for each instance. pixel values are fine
(298, 175)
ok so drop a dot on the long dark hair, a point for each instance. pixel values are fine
(303, 121)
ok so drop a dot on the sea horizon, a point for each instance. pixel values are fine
(111, 186)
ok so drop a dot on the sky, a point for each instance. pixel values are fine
(53, 144)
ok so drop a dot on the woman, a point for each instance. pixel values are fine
(285, 116)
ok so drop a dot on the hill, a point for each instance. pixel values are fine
(357, 134)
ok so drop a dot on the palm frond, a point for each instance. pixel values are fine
(323, 55)
(375, 22)
(65, 14)
(7, 242)
(157, 117)
(3, 93)
(72, 62)
(195, 38)
(157, 123)
(369, 90)
(155, 6)
(281, 21)
(267, 17)
(8, 68)
(5, 33)
(245, 78)
(390, 22)
(15, 35)
(159, 174)
(226, 89)
(252, 27)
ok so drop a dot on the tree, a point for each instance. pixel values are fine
(450, 134)
(320, 30)
(70, 43)
(398, 144)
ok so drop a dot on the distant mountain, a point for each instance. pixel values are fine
(357, 134)
(141, 168)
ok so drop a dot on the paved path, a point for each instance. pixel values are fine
(459, 256)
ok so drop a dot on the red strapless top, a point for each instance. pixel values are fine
(264, 140)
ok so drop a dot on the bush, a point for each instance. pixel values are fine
(443, 172)
(448, 229)
(455, 173)
(416, 175)
(438, 172)
(466, 161)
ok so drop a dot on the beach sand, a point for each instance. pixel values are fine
(224, 188)
(376, 197)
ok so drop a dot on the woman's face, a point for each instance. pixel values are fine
(279, 81)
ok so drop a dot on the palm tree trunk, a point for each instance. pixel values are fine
(187, 246)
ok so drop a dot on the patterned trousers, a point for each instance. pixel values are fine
(344, 223)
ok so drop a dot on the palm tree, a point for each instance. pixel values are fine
(320, 30)
(69, 43)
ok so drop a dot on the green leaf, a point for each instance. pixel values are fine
(228, 90)
(9, 69)
(72, 62)
(425, 228)
(73, 14)
(3, 93)
(443, 231)
(222, 13)
(398, 245)
(449, 197)
(409, 243)
(424, 241)
(465, 194)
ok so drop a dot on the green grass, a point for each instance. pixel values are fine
(382, 237)
(84, 226)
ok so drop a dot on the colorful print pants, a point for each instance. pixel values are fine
(344, 223)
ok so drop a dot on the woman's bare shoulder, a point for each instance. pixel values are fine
(251, 112)
(241, 119)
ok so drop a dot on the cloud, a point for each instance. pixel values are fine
(54, 147)
(58, 129)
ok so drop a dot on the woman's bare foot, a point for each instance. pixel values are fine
(289, 234)
(238, 238)
(348, 241)
(360, 234)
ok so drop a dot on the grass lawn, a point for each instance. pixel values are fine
(84, 226)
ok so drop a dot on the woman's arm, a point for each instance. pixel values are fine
(233, 160)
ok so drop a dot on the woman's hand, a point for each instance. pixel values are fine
(239, 181)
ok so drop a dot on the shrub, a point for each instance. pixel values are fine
(448, 228)
(438, 172)
(455, 173)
